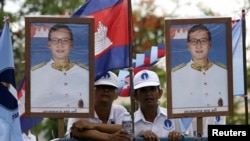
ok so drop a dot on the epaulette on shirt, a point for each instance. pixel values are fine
(38, 66)
(220, 65)
(81, 65)
(178, 67)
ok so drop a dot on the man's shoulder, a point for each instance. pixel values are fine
(220, 65)
(180, 66)
(118, 107)
(38, 66)
(81, 65)
(137, 115)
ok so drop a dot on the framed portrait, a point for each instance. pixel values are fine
(199, 67)
(59, 66)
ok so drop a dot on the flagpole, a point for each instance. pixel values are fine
(244, 63)
(130, 30)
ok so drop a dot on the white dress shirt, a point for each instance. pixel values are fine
(54, 88)
(192, 88)
(161, 126)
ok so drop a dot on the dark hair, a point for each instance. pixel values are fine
(199, 27)
(60, 26)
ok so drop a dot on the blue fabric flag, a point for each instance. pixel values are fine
(26, 122)
(111, 33)
(185, 123)
(142, 61)
(238, 66)
(10, 129)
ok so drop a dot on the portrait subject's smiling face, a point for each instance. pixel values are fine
(60, 44)
(199, 45)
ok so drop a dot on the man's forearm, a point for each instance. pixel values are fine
(108, 128)
(91, 135)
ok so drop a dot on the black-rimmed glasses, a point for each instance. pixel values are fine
(62, 40)
(203, 41)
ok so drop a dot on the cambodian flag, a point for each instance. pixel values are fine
(146, 60)
(111, 33)
(21, 98)
(142, 61)
(10, 129)
(124, 83)
(26, 122)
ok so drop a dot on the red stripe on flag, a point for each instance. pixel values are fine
(116, 19)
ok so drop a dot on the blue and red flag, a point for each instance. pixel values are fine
(21, 98)
(141, 62)
(10, 129)
(111, 33)
(26, 122)
(148, 59)
(124, 83)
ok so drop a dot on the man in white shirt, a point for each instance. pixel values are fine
(150, 120)
(107, 120)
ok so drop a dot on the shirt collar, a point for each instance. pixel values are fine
(111, 116)
(160, 111)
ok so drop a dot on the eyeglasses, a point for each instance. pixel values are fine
(63, 40)
(203, 41)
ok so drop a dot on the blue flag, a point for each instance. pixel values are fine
(26, 122)
(185, 123)
(10, 129)
(111, 33)
(238, 66)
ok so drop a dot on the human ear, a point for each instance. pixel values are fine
(116, 94)
(160, 93)
(135, 95)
